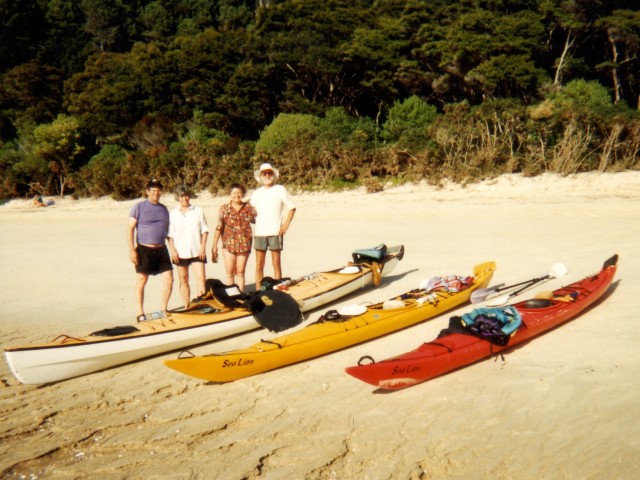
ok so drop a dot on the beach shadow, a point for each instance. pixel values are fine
(393, 278)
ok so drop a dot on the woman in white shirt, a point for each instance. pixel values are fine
(188, 233)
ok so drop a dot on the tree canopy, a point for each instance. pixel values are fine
(133, 76)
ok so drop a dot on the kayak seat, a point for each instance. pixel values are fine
(538, 303)
(115, 331)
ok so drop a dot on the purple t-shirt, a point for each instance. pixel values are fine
(153, 222)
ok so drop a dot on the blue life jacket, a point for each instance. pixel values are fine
(495, 325)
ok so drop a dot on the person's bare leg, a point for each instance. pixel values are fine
(198, 273)
(166, 290)
(275, 260)
(140, 284)
(229, 266)
(241, 265)
(185, 291)
(260, 258)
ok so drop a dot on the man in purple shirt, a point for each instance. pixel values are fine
(148, 229)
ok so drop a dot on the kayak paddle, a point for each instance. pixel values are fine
(484, 293)
(275, 310)
(557, 270)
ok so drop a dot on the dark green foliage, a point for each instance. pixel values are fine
(30, 93)
(286, 131)
(98, 177)
(408, 121)
(341, 92)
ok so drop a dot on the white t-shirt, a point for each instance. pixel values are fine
(186, 229)
(270, 203)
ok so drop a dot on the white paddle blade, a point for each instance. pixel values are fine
(498, 301)
(558, 270)
(482, 294)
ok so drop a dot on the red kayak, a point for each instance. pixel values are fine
(453, 350)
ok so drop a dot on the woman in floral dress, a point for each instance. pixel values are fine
(234, 228)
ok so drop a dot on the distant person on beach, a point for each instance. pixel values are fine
(188, 232)
(234, 228)
(39, 202)
(272, 202)
(147, 233)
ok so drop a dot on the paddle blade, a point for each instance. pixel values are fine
(499, 301)
(482, 294)
(275, 310)
(558, 270)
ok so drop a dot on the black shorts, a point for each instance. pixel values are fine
(153, 260)
(185, 262)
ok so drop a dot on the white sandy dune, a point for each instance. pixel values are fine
(563, 406)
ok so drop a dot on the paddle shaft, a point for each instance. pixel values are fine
(482, 295)
(531, 284)
(505, 298)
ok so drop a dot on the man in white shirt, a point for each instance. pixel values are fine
(271, 201)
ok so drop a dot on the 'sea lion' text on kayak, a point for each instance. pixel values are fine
(405, 370)
(238, 363)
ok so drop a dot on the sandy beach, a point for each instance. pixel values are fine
(564, 406)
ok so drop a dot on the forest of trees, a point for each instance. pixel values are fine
(98, 95)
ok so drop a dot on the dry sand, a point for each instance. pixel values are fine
(564, 406)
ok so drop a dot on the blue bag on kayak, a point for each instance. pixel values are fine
(495, 325)
(367, 255)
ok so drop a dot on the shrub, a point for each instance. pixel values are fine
(591, 95)
(97, 178)
(408, 121)
(337, 127)
(285, 129)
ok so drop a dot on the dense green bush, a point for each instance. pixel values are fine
(98, 177)
(285, 130)
(339, 128)
(408, 121)
(335, 93)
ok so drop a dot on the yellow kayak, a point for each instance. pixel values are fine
(333, 331)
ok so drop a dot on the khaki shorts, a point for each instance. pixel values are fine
(274, 242)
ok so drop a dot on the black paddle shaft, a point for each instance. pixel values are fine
(530, 284)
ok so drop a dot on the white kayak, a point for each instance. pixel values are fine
(206, 320)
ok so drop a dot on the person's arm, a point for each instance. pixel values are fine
(203, 245)
(131, 238)
(217, 234)
(214, 247)
(204, 235)
(285, 226)
(171, 230)
(175, 258)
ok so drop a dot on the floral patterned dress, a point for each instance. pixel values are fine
(235, 227)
